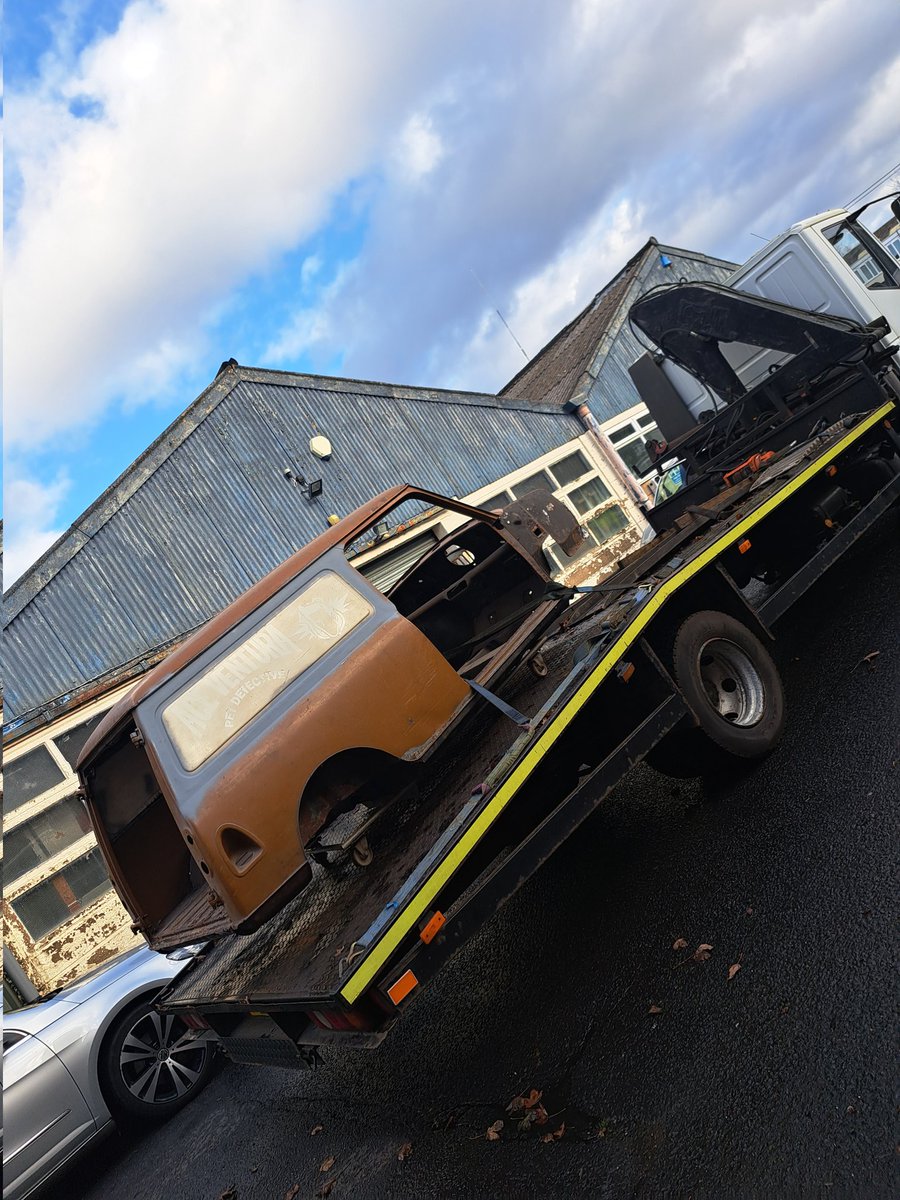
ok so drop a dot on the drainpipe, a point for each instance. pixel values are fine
(17, 977)
(615, 464)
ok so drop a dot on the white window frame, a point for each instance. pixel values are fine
(642, 423)
(44, 871)
(561, 491)
(866, 269)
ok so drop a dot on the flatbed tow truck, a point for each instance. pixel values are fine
(664, 660)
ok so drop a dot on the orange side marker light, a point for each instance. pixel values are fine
(744, 546)
(832, 470)
(400, 990)
(430, 931)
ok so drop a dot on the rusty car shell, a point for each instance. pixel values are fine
(311, 691)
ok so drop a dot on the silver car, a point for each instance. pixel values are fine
(92, 1054)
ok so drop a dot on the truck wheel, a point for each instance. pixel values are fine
(734, 691)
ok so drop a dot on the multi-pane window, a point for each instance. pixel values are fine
(30, 776)
(570, 468)
(45, 907)
(608, 523)
(50, 838)
(866, 270)
(492, 502)
(72, 742)
(540, 479)
(630, 441)
(588, 496)
(576, 480)
(44, 836)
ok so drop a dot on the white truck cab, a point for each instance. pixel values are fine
(830, 263)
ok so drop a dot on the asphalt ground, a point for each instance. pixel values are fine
(776, 1082)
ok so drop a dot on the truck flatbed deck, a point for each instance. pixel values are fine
(309, 950)
(446, 860)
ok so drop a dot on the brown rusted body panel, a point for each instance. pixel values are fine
(394, 696)
(221, 843)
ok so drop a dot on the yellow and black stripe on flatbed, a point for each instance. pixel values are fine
(418, 903)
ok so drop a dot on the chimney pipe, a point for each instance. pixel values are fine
(616, 465)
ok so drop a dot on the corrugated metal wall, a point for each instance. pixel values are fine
(208, 511)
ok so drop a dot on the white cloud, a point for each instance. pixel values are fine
(544, 303)
(419, 149)
(221, 142)
(535, 145)
(704, 123)
(31, 509)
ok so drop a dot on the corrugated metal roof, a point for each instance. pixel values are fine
(206, 511)
(552, 375)
(596, 343)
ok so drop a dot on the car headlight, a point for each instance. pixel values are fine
(184, 952)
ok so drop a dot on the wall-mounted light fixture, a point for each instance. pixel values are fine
(310, 490)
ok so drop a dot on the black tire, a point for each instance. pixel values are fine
(139, 1085)
(734, 691)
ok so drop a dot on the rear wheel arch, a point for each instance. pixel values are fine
(333, 785)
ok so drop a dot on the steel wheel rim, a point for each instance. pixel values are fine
(159, 1061)
(731, 682)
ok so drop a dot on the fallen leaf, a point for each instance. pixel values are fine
(404, 1152)
(493, 1132)
(733, 970)
(327, 1164)
(654, 1009)
(679, 944)
(293, 1190)
(326, 1189)
(702, 953)
(316, 1129)
(519, 1102)
(869, 659)
(555, 1135)
(228, 1194)
(529, 1119)
(749, 911)
(540, 1115)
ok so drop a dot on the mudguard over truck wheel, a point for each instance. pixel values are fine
(733, 690)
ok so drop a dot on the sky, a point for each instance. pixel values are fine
(353, 187)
